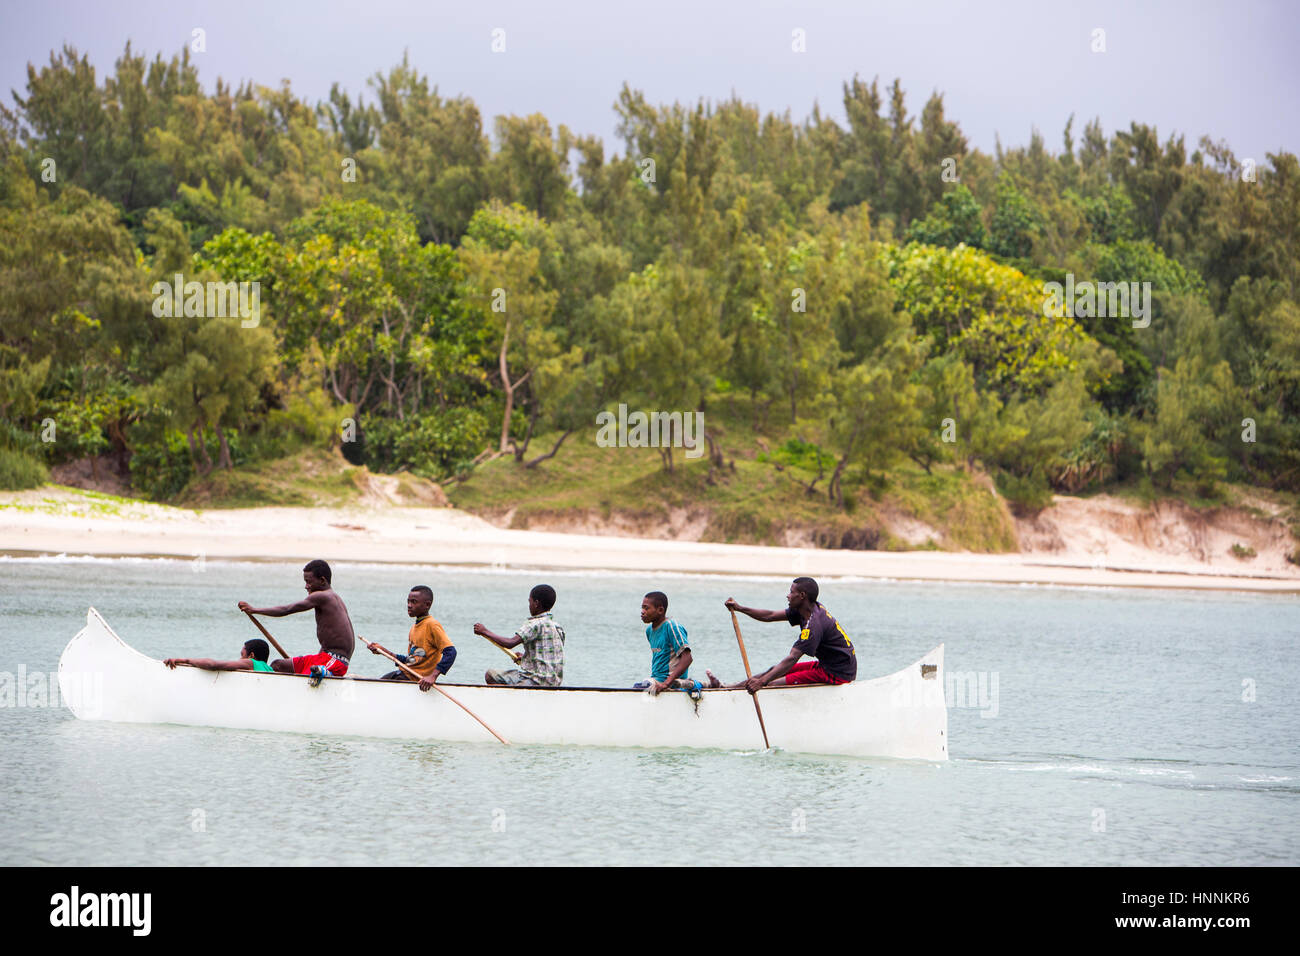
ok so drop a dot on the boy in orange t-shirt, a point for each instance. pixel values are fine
(429, 650)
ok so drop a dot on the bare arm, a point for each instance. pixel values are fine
(208, 664)
(310, 602)
(676, 671)
(513, 641)
(683, 662)
(775, 672)
(770, 617)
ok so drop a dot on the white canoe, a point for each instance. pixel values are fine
(902, 715)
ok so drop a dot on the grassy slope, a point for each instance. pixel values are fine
(310, 478)
(628, 491)
(80, 502)
(756, 503)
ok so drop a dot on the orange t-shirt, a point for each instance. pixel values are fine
(427, 641)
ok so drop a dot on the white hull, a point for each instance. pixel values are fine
(902, 715)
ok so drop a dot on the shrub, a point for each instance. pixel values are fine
(1026, 495)
(431, 445)
(309, 419)
(160, 461)
(19, 470)
(1094, 460)
(800, 454)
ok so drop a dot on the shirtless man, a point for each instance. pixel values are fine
(333, 626)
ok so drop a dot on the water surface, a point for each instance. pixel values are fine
(1094, 726)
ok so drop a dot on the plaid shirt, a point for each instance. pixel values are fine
(543, 658)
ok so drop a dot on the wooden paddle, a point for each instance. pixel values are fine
(745, 657)
(504, 650)
(387, 653)
(267, 633)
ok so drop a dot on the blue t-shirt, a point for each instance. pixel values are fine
(667, 641)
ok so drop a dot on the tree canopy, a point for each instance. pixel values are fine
(434, 290)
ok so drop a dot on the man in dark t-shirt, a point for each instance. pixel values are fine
(820, 637)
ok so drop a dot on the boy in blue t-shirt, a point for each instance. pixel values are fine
(670, 655)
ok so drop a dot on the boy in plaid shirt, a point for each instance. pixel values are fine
(543, 641)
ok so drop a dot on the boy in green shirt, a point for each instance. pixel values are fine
(252, 657)
(670, 655)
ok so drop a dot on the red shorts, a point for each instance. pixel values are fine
(811, 672)
(303, 665)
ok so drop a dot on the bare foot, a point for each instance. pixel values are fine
(714, 683)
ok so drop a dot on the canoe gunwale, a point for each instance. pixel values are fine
(602, 690)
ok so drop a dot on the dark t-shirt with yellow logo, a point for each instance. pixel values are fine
(823, 638)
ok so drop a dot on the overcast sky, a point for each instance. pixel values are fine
(1227, 69)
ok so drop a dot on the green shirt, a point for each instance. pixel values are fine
(262, 666)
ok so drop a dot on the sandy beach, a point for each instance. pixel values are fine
(54, 521)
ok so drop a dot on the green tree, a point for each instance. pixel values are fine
(532, 166)
(1195, 406)
(356, 283)
(953, 220)
(506, 288)
(1151, 174)
(434, 153)
(207, 372)
(993, 316)
(672, 345)
(876, 417)
(949, 408)
(1014, 224)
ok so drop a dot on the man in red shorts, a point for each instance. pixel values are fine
(333, 626)
(820, 637)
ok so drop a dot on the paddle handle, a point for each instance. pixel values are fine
(504, 650)
(392, 657)
(383, 650)
(735, 624)
(274, 642)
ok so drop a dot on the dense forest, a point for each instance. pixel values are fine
(432, 294)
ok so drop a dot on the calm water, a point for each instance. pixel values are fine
(1111, 729)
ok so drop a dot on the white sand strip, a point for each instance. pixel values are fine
(63, 523)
